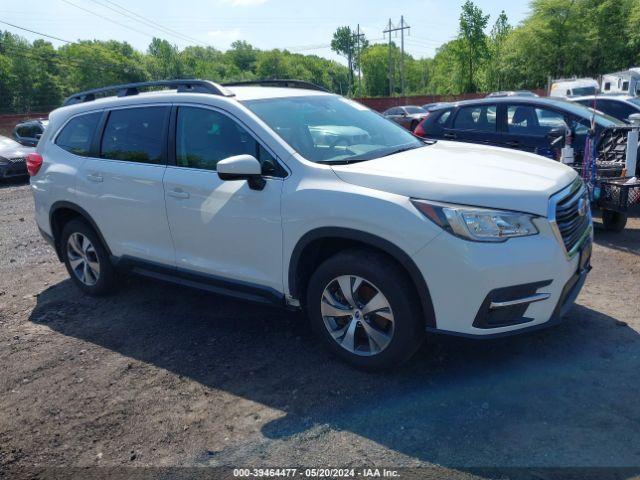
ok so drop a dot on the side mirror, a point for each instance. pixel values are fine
(634, 118)
(242, 167)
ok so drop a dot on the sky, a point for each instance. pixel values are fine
(301, 26)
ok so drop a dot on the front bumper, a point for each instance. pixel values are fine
(14, 168)
(488, 290)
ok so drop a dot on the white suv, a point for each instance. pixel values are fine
(281, 192)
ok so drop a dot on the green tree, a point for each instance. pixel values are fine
(499, 32)
(343, 43)
(243, 56)
(473, 42)
(163, 60)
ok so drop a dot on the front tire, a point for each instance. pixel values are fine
(363, 308)
(86, 259)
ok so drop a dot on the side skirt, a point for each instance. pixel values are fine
(201, 281)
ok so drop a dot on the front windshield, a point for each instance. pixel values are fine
(332, 129)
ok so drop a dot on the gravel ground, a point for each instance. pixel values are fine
(158, 375)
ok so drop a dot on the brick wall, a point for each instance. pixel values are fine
(7, 122)
(382, 103)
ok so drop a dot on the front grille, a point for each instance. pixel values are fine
(571, 221)
(16, 166)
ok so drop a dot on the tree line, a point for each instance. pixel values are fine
(558, 38)
(37, 77)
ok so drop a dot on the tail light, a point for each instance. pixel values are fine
(419, 130)
(34, 162)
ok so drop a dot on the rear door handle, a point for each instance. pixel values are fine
(178, 194)
(449, 135)
(513, 143)
(94, 177)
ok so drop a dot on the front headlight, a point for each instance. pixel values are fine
(477, 224)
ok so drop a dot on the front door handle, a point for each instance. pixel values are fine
(177, 193)
(449, 135)
(94, 177)
(513, 143)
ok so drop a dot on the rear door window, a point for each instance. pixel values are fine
(480, 118)
(77, 134)
(135, 135)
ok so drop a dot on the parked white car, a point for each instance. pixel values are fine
(574, 87)
(379, 236)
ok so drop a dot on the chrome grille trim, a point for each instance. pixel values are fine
(570, 228)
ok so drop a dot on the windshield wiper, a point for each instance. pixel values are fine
(340, 162)
(401, 149)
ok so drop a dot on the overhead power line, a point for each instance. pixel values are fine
(108, 19)
(37, 33)
(146, 21)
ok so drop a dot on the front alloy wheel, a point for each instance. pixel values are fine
(357, 315)
(363, 306)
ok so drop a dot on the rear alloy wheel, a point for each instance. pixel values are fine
(86, 259)
(364, 308)
(83, 259)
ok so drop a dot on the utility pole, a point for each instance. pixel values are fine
(403, 26)
(358, 37)
(389, 30)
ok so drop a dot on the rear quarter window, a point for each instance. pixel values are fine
(77, 134)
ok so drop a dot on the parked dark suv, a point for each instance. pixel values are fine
(621, 107)
(28, 133)
(524, 123)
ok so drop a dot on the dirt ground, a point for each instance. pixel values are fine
(158, 375)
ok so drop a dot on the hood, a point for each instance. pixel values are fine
(11, 149)
(467, 174)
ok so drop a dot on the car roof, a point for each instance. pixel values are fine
(541, 101)
(609, 96)
(240, 93)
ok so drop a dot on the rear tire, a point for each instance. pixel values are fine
(381, 326)
(86, 259)
(614, 221)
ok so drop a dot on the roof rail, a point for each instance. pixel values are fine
(285, 83)
(127, 89)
